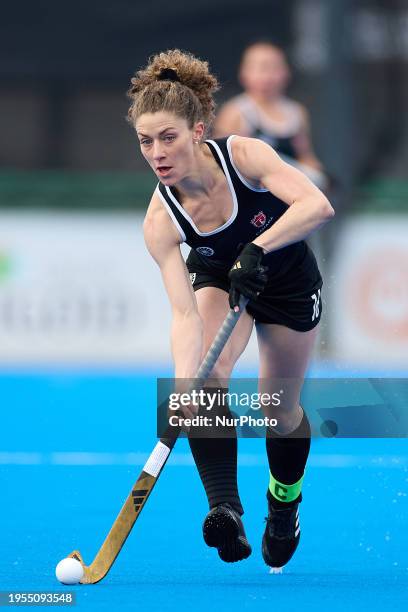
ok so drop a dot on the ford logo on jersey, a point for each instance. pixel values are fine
(259, 220)
(207, 251)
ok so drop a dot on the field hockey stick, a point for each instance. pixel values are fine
(152, 469)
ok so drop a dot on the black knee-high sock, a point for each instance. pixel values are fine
(287, 456)
(216, 458)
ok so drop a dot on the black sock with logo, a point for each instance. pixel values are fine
(287, 456)
(214, 450)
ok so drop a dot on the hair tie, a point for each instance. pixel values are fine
(168, 74)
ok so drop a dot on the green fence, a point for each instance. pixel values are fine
(132, 191)
(76, 191)
(382, 196)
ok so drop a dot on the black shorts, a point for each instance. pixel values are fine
(292, 298)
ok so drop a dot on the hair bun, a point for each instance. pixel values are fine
(192, 99)
(168, 74)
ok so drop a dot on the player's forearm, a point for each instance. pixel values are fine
(300, 220)
(186, 343)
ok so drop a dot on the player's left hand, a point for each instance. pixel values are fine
(247, 275)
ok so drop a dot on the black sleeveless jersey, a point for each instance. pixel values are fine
(254, 211)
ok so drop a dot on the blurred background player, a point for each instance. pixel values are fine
(264, 111)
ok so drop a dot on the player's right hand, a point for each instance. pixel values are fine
(247, 275)
(183, 414)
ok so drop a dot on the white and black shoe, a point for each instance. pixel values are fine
(282, 534)
(223, 529)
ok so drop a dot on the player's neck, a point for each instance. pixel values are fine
(201, 177)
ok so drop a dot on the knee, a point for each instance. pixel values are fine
(287, 420)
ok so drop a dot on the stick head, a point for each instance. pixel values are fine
(92, 573)
(86, 577)
(76, 555)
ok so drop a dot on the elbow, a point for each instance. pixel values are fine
(187, 326)
(189, 316)
(325, 210)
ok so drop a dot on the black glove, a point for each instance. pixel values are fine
(247, 275)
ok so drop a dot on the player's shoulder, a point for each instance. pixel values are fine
(157, 222)
(249, 157)
(156, 213)
(154, 204)
(231, 145)
(243, 146)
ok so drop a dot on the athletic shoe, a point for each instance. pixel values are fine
(223, 529)
(282, 534)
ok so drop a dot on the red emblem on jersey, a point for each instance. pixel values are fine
(259, 220)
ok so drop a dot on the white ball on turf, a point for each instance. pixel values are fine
(69, 571)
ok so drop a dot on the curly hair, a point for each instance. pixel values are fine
(177, 82)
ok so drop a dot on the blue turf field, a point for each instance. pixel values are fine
(71, 448)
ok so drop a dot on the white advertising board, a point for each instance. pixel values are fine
(81, 288)
(369, 291)
(75, 287)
